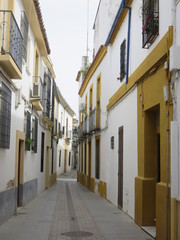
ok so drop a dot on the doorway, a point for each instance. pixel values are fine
(65, 160)
(89, 164)
(20, 173)
(120, 168)
(47, 168)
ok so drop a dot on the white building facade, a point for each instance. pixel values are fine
(123, 156)
(63, 133)
(27, 164)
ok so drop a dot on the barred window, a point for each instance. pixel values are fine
(122, 60)
(35, 139)
(150, 22)
(24, 30)
(5, 116)
(28, 131)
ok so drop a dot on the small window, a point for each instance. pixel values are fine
(122, 60)
(5, 116)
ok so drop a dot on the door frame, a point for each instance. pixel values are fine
(19, 166)
(120, 166)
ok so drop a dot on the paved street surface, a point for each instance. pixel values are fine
(68, 211)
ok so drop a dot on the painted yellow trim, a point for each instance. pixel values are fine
(98, 138)
(36, 52)
(90, 98)
(86, 104)
(78, 76)
(97, 60)
(120, 21)
(35, 26)
(49, 65)
(11, 5)
(152, 59)
(10, 67)
(98, 98)
(20, 137)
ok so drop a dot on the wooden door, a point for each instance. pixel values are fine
(65, 160)
(89, 164)
(120, 169)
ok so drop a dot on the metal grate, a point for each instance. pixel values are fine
(24, 30)
(5, 115)
(150, 24)
(35, 135)
(28, 131)
(10, 37)
(122, 60)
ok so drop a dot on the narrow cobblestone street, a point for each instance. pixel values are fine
(70, 211)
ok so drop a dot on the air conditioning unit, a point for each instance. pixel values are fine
(18, 97)
(36, 91)
(82, 107)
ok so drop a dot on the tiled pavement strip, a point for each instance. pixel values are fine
(68, 211)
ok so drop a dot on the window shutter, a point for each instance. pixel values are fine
(35, 134)
(5, 116)
(28, 131)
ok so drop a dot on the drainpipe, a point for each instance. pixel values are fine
(128, 41)
(174, 130)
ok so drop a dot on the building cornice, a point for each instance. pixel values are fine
(97, 60)
(120, 16)
(33, 13)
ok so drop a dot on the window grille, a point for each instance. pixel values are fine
(46, 96)
(5, 116)
(24, 31)
(150, 22)
(122, 60)
(35, 135)
(28, 131)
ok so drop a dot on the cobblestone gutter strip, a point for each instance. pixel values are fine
(72, 219)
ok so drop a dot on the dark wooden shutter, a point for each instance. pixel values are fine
(5, 115)
(35, 134)
(97, 158)
(28, 131)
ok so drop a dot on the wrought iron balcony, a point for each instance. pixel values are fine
(10, 45)
(150, 27)
(94, 120)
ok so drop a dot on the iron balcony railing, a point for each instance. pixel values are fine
(94, 120)
(150, 24)
(10, 37)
